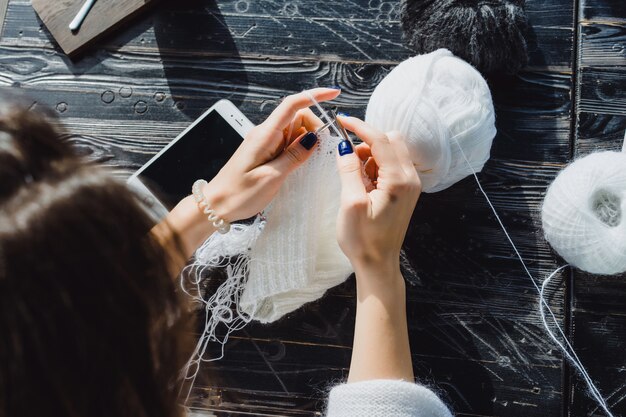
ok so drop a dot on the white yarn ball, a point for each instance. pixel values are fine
(584, 213)
(434, 101)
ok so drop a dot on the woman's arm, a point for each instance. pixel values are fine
(251, 177)
(371, 227)
(182, 231)
(381, 340)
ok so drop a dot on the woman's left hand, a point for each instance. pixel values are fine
(254, 174)
(251, 177)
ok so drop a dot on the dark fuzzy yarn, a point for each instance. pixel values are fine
(489, 34)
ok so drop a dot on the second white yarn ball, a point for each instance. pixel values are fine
(584, 213)
(439, 103)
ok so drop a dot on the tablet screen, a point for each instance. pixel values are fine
(200, 153)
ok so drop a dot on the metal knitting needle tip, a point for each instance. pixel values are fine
(323, 127)
(342, 129)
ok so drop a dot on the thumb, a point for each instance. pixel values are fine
(350, 173)
(296, 153)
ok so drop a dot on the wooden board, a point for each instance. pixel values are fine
(104, 17)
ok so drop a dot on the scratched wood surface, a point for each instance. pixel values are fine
(598, 306)
(475, 330)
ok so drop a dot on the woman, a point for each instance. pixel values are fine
(90, 322)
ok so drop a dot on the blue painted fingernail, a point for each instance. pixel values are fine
(309, 140)
(336, 87)
(345, 147)
(343, 114)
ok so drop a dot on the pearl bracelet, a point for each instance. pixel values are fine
(220, 224)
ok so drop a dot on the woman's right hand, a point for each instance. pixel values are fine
(371, 226)
(370, 229)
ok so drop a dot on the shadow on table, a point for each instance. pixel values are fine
(201, 62)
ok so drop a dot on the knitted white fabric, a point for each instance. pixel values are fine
(439, 103)
(384, 398)
(297, 257)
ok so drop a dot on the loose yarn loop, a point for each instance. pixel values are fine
(584, 213)
(222, 309)
(437, 101)
(568, 350)
(489, 34)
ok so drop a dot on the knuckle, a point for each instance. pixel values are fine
(290, 100)
(355, 204)
(412, 173)
(265, 174)
(381, 139)
(294, 155)
(404, 189)
(416, 186)
(403, 184)
(378, 143)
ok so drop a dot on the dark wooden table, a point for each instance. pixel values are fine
(474, 324)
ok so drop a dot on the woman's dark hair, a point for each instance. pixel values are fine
(91, 323)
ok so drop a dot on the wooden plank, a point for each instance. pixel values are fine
(490, 376)
(602, 90)
(599, 336)
(173, 89)
(598, 314)
(204, 29)
(103, 18)
(602, 10)
(553, 13)
(599, 132)
(603, 45)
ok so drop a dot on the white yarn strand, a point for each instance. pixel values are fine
(568, 351)
(222, 309)
(571, 354)
(323, 113)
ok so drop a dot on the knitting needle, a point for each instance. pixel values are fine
(81, 15)
(323, 112)
(342, 129)
(325, 126)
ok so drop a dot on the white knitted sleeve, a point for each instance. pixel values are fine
(384, 398)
